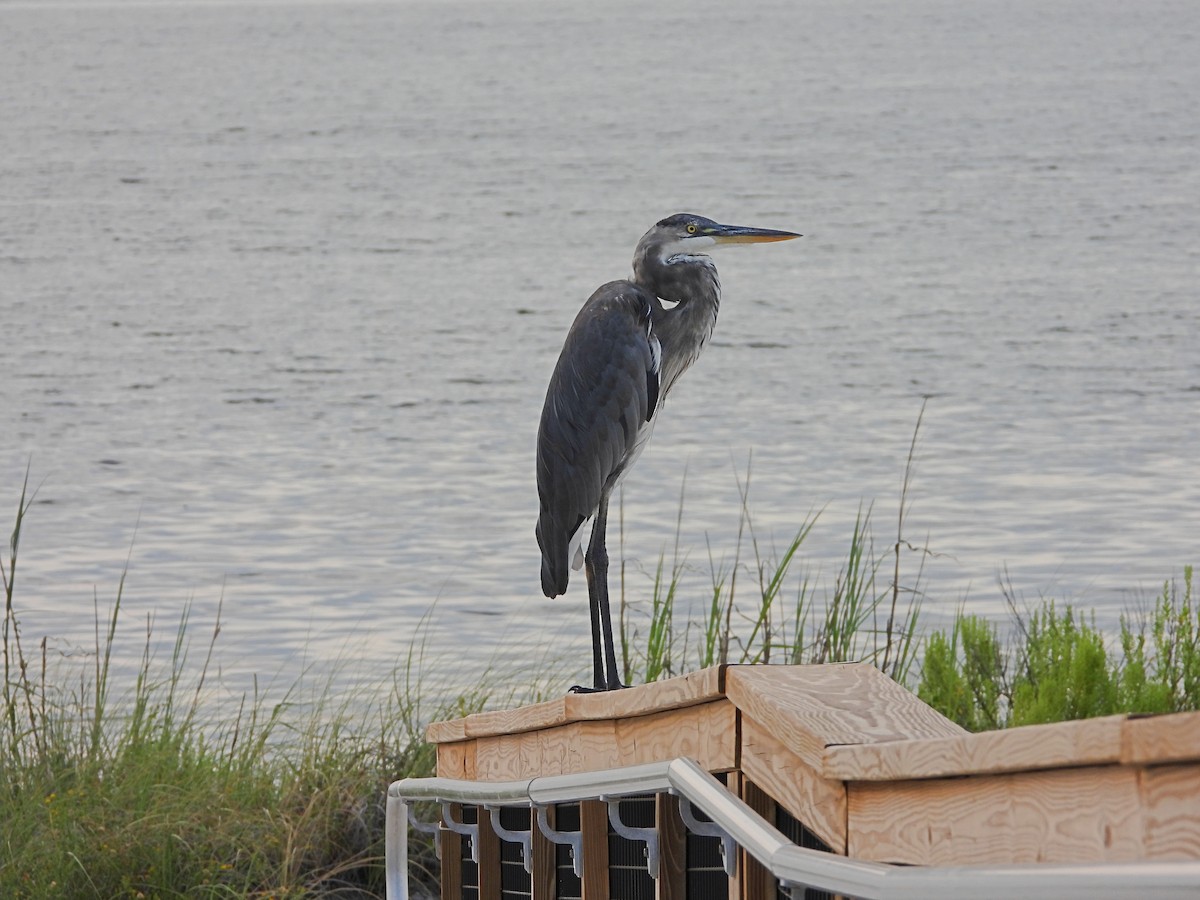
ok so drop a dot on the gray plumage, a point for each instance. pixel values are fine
(622, 355)
(602, 396)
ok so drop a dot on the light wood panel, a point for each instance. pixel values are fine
(864, 765)
(1162, 739)
(456, 760)
(672, 693)
(551, 752)
(1089, 742)
(512, 721)
(644, 699)
(509, 757)
(817, 802)
(1150, 740)
(446, 732)
(1171, 811)
(1065, 815)
(812, 707)
(706, 733)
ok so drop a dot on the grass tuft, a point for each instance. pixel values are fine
(158, 790)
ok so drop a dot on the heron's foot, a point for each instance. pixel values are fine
(603, 689)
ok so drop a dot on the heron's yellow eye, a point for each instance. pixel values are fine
(691, 229)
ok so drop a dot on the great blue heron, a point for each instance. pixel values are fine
(624, 352)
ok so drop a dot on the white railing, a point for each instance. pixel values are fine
(736, 823)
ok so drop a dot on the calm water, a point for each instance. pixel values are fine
(281, 286)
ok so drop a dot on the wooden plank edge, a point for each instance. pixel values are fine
(819, 803)
(1086, 742)
(1157, 740)
(680, 692)
(447, 732)
(534, 717)
(691, 689)
(1073, 815)
(1120, 739)
(813, 707)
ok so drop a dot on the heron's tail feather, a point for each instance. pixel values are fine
(555, 571)
(552, 586)
(559, 556)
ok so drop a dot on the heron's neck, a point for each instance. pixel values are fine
(691, 283)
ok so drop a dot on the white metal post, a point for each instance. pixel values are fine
(395, 841)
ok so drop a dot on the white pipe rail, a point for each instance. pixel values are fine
(795, 867)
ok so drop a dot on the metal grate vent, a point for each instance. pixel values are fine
(514, 880)
(795, 831)
(705, 866)
(627, 875)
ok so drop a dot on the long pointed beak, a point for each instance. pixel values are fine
(740, 234)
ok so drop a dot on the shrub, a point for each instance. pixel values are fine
(1057, 666)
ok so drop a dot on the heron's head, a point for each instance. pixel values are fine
(686, 235)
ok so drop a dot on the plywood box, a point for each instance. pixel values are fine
(868, 768)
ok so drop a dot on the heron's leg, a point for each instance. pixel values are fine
(594, 605)
(597, 563)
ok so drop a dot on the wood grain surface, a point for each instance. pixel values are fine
(456, 760)
(644, 699)
(867, 767)
(1090, 742)
(706, 733)
(812, 707)
(817, 802)
(1064, 815)
(1171, 811)
(1162, 739)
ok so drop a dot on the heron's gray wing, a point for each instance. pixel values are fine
(601, 398)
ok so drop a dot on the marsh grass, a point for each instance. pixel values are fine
(156, 789)
(786, 617)
(780, 617)
(162, 784)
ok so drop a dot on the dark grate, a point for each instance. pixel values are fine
(566, 885)
(705, 867)
(470, 871)
(795, 832)
(627, 875)
(514, 880)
